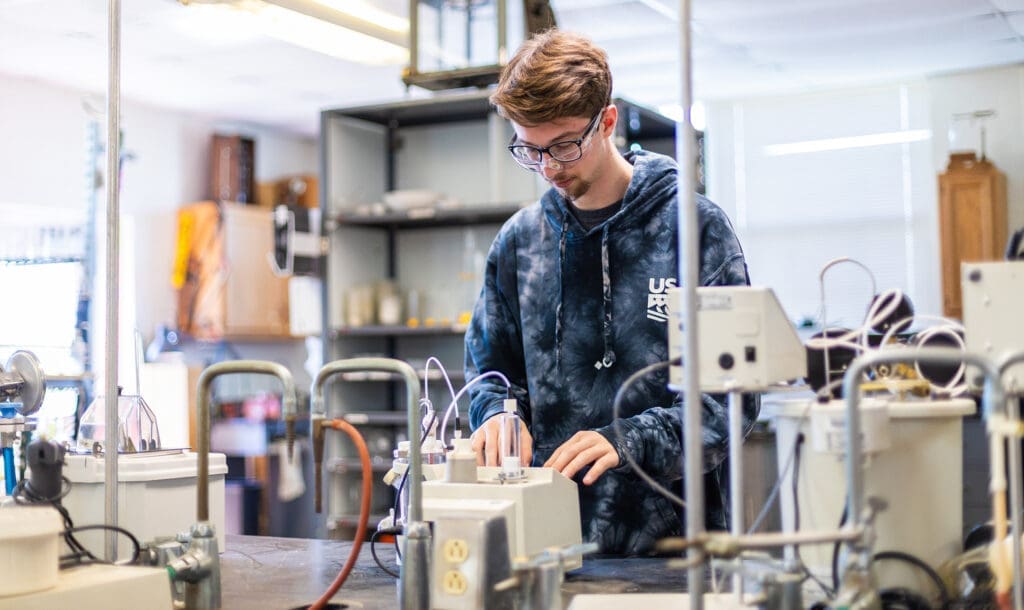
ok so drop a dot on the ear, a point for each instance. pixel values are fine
(608, 121)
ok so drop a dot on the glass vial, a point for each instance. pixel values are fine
(511, 464)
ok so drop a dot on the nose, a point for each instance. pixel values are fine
(549, 167)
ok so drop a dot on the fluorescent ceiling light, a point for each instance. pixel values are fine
(358, 33)
(875, 139)
(698, 114)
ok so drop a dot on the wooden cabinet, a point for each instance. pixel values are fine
(972, 221)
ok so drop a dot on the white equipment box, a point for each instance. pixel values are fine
(992, 295)
(100, 587)
(745, 340)
(545, 509)
(916, 468)
(156, 495)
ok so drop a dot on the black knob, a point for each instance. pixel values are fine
(726, 361)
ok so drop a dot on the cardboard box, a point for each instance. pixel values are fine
(224, 273)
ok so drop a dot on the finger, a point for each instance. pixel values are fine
(567, 453)
(582, 459)
(526, 449)
(491, 448)
(608, 460)
(554, 456)
(479, 440)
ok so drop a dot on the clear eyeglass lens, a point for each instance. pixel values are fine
(526, 154)
(570, 151)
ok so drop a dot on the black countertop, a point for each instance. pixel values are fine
(284, 573)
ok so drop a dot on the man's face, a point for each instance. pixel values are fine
(571, 179)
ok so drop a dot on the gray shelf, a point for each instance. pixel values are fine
(432, 217)
(397, 331)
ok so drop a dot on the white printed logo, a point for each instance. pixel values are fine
(657, 300)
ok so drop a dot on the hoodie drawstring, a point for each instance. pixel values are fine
(606, 304)
(558, 308)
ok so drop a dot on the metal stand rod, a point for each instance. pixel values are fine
(1016, 500)
(736, 480)
(689, 252)
(113, 249)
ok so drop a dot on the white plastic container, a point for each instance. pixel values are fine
(156, 496)
(919, 472)
(29, 537)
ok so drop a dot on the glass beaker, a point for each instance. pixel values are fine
(137, 428)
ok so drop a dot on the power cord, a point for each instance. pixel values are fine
(619, 436)
(25, 494)
(797, 444)
(921, 565)
(374, 538)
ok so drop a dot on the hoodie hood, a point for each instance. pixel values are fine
(654, 178)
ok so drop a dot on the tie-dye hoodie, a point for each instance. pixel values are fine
(568, 314)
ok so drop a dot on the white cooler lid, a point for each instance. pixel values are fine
(898, 409)
(133, 467)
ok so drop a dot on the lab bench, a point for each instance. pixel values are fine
(285, 573)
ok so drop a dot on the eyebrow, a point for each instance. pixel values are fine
(565, 136)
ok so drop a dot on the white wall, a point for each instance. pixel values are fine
(999, 89)
(734, 126)
(43, 158)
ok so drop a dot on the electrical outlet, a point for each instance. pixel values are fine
(455, 550)
(454, 582)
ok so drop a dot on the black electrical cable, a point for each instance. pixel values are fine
(617, 426)
(835, 551)
(23, 493)
(373, 551)
(136, 547)
(797, 445)
(902, 599)
(921, 565)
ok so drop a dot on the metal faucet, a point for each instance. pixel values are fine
(199, 567)
(414, 591)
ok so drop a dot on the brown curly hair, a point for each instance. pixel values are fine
(554, 75)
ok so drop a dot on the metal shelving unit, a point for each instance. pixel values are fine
(453, 145)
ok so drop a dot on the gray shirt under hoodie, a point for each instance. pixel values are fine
(567, 314)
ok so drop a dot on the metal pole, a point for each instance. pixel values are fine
(689, 247)
(113, 205)
(736, 480)
(414, 38)
(1016, 501)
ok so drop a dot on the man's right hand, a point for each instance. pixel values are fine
(486, 443)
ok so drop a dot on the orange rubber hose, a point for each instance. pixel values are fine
(364, 510)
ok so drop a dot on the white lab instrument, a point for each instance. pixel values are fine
(918, 468)
(545, 506)
(156, 495)
(100, 587)
(29, 539)
(992, 295)
(746, 342)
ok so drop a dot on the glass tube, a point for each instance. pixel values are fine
(511, 464)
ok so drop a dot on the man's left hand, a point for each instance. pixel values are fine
(584, 448)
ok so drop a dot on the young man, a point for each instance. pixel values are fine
(573, 300)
